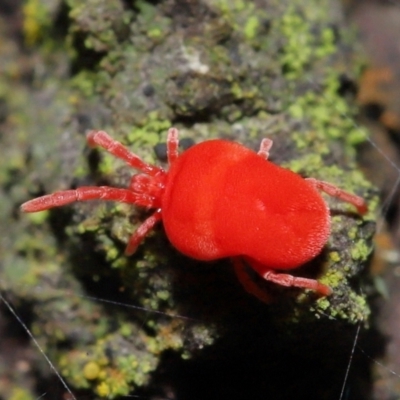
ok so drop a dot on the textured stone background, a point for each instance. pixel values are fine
(158, 324)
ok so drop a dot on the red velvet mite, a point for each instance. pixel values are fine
(220, 199)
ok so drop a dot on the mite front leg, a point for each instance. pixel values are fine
(102, 139)
(265, 147)
(86, 193)
(172, 145)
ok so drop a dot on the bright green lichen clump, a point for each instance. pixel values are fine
(20, 394)
(328, 113)
(36, 20)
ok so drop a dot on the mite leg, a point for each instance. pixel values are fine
(334, 191)
(265, 147)
(172, 145)
(249, 285)
(86, 193)
(290, 280)
(102, 139)
(141, 232)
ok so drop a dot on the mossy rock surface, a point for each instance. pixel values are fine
(116, 325)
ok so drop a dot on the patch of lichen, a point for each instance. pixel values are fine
(313, 67)
(101, 23)
(329, 115)
(36, 20)
(302, 47)
(143, 277)
(355, 310)
(143, 137)
(106, 369)
(121, 360)
(18, 393)
(123, 357)
(151, 23)
(248, 20)
(216, 74)
(199, 76)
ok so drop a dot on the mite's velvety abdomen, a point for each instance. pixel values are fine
(273, 216)
(192, 193)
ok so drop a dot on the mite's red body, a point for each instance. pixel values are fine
(260, 210)
(220, 199)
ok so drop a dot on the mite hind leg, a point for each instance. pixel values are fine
(341, 194)
(245, 279)
(141, 232)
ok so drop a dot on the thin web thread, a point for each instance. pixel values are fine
(36, 343)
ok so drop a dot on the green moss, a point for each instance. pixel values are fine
(329, 115)
(358, 313)
(85, 83)
(20, 394)
(126, 330)
(299, 44)
(302, 46)
(334, 256)
(103, 389)
(332, 278)
(251, 27)
(352, 233)
(149, 133)
(246, 20)
(153, 25)
(360, 251)
(38, 218)
(107, 165)
(327, 43)
(36, 20)
(91, 370)
(323, 303)
(115, 376)
(100, 23)
(373, 208)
